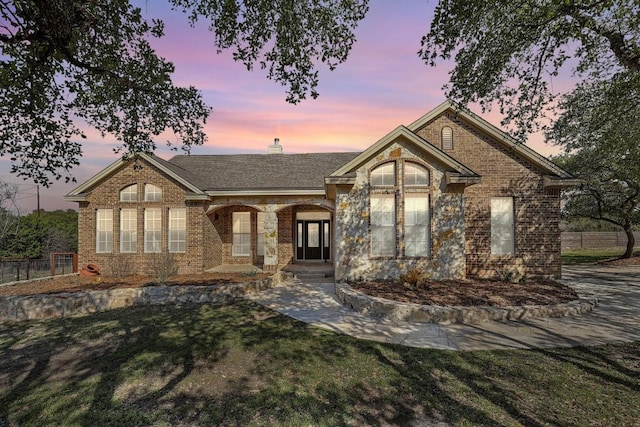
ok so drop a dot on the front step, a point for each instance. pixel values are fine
(313, 275)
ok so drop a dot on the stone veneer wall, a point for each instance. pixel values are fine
(537, 210)
(353, 260)
(107, 196)
(70, 304)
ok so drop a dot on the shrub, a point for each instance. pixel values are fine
(163, 266)
(120, 266)
(413, 277)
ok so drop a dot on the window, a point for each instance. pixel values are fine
(128, 230)
(129, 194)
(241, 234)
(502, 231)
(383, 225)
(152, 230)
(260, 236)
(416, 225)
(104, 231)
(152, 193)
(447, 138)
(384, 174)
(415, 174)
(177, 230)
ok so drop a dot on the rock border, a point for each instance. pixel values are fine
(18, 308)
(407, 312)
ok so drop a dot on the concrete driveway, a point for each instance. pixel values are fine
(615, 319)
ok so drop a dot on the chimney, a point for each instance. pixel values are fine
(276, 148)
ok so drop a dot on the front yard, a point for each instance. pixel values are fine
(241, 364)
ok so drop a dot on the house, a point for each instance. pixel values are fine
(449, 193)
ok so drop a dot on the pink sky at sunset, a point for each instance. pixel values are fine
(383, 84)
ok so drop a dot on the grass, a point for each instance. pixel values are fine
(591, 256)
(241, 364)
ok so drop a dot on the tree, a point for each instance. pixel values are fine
(9, 211)
(510, 52)
(67, 61)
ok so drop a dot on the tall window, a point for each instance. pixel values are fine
(447, 138)
(260, 236)
(416, 225)
(152, 193)
(241, 234)
(383, 225)
(415, 175)
(384, 174)
(128, 230)
(502, 226)
(177, 230)
(152, 230)
(104, 230)
(129, 194)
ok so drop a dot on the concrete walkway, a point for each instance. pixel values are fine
(616, 319)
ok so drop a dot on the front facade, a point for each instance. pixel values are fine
(449, 194)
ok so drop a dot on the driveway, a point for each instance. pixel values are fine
(615, 319)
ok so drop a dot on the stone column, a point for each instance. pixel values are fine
(270, 239)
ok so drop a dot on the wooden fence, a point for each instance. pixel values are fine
(596, 239)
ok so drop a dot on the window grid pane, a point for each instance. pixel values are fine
(104, 231)
(384, 175)
(416, 230)
(177, 230)
(415, 175)
(129, 194)
(502, 226)
(383, 231)
(152, 230)
(128, 231)
(152, 193)
(241, 234)
(447, 138)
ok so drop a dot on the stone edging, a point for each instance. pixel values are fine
(69, 304)
(406, 312)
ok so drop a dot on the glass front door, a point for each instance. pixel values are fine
(313, 240)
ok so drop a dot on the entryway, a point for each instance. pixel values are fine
(313, 236)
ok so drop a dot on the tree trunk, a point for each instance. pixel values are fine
(631, 241)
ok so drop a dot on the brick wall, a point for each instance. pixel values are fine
(107, 196)
(537, 211)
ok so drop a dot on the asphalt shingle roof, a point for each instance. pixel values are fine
(258, 171)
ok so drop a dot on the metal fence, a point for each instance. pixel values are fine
(17, 269)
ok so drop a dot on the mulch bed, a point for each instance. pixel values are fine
(471, 292)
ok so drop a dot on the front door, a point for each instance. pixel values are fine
(313, 240)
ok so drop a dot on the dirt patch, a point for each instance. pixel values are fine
(477, 292)
(79, 284)
(634, 260)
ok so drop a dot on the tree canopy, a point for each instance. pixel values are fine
(509, 53)
(65, 62)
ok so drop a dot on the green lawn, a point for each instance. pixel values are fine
(591, 256)
(240, 364)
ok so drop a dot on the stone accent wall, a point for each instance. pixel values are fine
(353, 260)
(107, 196)
(537, 211)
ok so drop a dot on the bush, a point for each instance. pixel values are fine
(163, 266)
(121, 266)
(413, 278)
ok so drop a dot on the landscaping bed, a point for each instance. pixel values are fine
(470, 292)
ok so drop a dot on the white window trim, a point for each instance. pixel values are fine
(420, 225)
(177, 232)
(378, 247)
(153, 230)
(502, 226)
(128, 231)
(104, 231)
(241, 230)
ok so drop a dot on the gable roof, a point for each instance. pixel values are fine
(517, 147)
(457, 171)
(81, 192)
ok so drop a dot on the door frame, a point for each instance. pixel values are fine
(301, 236)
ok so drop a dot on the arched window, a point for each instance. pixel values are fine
(384, 174)
(152, 193)
(415, 174)
(447, 138)
(129, 194)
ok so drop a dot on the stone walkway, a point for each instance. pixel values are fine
(616, 319)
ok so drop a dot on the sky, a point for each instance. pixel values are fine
(383, 84)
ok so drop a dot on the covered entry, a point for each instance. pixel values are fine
(313, 236)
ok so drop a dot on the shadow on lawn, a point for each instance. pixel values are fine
(240, 364)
